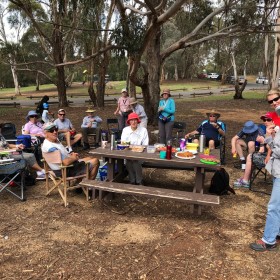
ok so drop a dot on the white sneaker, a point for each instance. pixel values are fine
(41, 175)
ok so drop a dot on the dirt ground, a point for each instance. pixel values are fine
(135, 237)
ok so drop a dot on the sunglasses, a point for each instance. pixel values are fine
(51, 130)
(273, 100)
(267, 120)
(62, 114)
(33, 116)
(213, 116)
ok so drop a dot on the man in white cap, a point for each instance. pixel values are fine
(139, 110)
(123, 109)
(91, 125)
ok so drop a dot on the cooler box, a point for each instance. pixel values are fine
(25, 140)
(103, 171)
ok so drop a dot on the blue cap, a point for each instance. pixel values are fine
(45, 105)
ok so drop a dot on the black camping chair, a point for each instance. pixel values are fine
(179, 131)
(8, 130)
(113, 128)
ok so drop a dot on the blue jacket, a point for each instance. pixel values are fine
(169, 108)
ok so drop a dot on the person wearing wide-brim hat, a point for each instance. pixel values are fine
(166, 118)
(245, 140)
(91, 125)
(139, 110)
(135, 135)
(212, 128)
(124, 108)
(33, 127)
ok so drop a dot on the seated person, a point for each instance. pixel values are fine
(91, 124)
(66, 131)
(33, 127)
(136, 135)
(52, 143)
(47, 116)
(260, 159)
(212, 129)
(28, 157)
(246, 139)
(139, 110)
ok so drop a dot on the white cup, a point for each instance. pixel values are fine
(277, 110)
(103, 144)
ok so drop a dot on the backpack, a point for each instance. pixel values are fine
(220, 183)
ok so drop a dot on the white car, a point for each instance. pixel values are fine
(260, 80)
(212, 75)
(265, 82)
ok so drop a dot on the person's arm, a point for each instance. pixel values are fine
(70, 159)
(171, 108)
(233, 144)
(219, 128)
(118, 108)
(191, 133)
(268, 156)
(145, 140)
(85, 122)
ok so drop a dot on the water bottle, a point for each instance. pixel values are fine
(113, 141)
(202, 141)
(169, 150)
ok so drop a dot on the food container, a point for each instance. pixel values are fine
(192, 146)
(159, 145)
(151, 149)
(122, 147)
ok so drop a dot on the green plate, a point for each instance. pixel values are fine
(207, 162)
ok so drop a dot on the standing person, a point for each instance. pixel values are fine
(212, 128)
(91, 124)
(66, 130)
(40, 108)
(246, 139)
(139, 110)
(136, 135)
(166, 112)
(78, 167)
(271, 235)
(123, 109)
(47, 116)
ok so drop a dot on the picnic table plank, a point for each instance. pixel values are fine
(189, 197)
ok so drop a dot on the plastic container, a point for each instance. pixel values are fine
(192, 146)
(151, 149)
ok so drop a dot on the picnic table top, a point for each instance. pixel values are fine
(154, 157)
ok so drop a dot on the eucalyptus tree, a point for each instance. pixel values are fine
(56, 24)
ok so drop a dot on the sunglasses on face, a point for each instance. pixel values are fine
(273, 100)
(62, 114)
(267, 120)
(51, 130)
(33, 116)
(212, 116)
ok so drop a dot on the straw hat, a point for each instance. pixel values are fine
(90, 110)
(166, 90)
(213, 112)
(133, 101)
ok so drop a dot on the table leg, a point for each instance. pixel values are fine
(110, 175)
(198, 186)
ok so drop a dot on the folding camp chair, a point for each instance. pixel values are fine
(63, 183)
(9, 171)
(113, 128)
(179, 130)
(8, 130)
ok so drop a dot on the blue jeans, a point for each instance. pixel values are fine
(272, 225)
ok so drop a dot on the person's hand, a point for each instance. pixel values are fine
(116, 112)
(266, 160)
(187, 135)
(20, 146)
(160, 109)
(270, 130)
(75, 156)
(233, 151)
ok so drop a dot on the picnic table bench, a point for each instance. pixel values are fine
(8, 97)
(55, 102)
(10, 104)
(117, 157)
(39, 96)
(201, 93)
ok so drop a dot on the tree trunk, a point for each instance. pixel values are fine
(239, 90)
(91, 93)
(15, 78)
(61, 88)
(151, 91)
(276, 59)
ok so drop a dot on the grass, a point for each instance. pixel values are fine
(115, 87)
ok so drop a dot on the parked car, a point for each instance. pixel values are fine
(230, 79)
(212, 75)
(260, 80)
(265, 82)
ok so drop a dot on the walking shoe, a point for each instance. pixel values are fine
(261, 246)
(41, 175)
(241, 183)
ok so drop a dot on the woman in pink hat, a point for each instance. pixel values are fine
(136, 135)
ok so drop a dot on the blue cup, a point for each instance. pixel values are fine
(162, 154)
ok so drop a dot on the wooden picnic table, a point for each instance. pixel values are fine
(113, 157)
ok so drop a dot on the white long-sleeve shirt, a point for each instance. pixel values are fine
(137, 137)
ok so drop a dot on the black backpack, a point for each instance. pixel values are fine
(220, 183)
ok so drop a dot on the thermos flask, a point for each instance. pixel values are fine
(168, 150)
(202, 142)
(113, 141)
